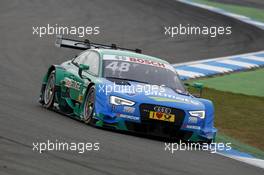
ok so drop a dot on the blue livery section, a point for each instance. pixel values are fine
(163, 112)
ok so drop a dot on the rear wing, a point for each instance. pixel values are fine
(86, 44)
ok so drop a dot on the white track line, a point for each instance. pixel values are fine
(252, 161)
(256, 23)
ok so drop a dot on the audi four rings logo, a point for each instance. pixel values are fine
(162, 109)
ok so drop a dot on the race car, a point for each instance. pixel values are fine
(123, 89)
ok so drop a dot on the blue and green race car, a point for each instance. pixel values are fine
(112, 87)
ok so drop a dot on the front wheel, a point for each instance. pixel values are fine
(89, 105)
(49, 91)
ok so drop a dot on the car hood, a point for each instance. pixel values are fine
(150, 94)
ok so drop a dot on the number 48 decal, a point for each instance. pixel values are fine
(120, 66)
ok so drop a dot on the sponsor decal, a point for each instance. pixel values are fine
(149, 62)
(70, 83)
(130, 117)
(129, 109)
(161, 116)
(172, 98)
(193, 127)
(138, 60)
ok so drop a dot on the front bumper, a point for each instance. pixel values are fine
(155, 128)
(136, 119)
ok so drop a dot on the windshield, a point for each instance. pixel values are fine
(141, 70)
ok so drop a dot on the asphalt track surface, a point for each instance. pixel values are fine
(25, 58)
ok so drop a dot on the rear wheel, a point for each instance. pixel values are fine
(49, 92)
(89, 105)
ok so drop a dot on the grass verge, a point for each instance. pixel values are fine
(248, 83)
(253, 13)
(239, 117)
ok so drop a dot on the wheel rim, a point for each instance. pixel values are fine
(49, 90)
(89, 105)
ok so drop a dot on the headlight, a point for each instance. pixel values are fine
(120, 101)
(200, 114)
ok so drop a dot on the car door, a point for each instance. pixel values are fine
(78, 84)
(72, 82)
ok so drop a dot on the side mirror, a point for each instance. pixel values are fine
(82, 67)
(198, 86)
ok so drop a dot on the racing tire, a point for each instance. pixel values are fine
(49, 91)
(89, 106)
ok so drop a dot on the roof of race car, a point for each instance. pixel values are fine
(130, 54)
